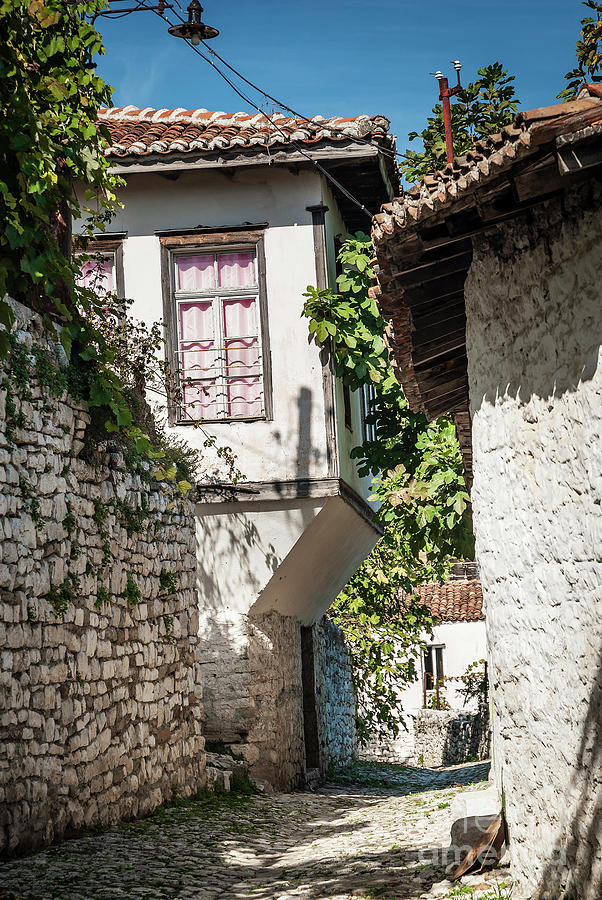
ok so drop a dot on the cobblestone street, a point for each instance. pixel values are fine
(378, 836)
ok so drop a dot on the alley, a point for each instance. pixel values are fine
(376, 832)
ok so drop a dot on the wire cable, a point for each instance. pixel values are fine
(386, 151)
(274, 124)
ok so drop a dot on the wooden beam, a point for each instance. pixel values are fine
(434, 349)
(459, 262)
(436, 289)
(125, 165)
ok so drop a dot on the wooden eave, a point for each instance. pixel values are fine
(422, 268)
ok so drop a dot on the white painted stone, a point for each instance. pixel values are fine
(534, 314)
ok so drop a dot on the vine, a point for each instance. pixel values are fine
(418, 483)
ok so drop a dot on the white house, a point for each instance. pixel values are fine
(458, 640)
(226, 219)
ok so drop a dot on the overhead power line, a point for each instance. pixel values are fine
(386, 151)
(337, 184)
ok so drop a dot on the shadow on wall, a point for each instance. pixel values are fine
(574, 870)
(542, 277)
(468, 738)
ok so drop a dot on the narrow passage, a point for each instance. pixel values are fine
(376, 832)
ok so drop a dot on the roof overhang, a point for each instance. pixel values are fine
(361, 168)
(423, 245)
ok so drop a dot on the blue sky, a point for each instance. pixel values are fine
(344, 57)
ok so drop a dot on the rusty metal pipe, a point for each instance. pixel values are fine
(445, 92)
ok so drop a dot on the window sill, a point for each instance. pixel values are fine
(198, 422)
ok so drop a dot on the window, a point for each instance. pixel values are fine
(103, 272)
(98, 274)
(368, 398)
(218, 344)
(433, 666)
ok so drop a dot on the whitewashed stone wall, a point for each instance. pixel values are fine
(388, 749)
(100, 706)
(251, 670)
(335, 695)
(253, 696)
(534, 312)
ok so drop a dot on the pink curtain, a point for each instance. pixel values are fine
(242, 358)
(236, 269)
(195, 273)
(198, 359)
(97, 275)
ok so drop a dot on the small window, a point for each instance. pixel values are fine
(219, 346)
(433, 667)
(368, 398)
(103, 271)
(347, 407)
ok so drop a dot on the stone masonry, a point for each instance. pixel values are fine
(335, 694)
(446, 737)
(534, 312)
(101, 716)
(259, 697)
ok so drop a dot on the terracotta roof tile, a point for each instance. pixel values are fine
(143, 132)
(454, 601)
(488, 158)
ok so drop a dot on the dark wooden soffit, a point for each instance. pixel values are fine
(421, 270)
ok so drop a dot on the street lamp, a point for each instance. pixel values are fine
(194, 30)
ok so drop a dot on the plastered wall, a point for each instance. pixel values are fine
(534, 313)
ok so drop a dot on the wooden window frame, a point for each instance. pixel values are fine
(215, 242)
(110, 246)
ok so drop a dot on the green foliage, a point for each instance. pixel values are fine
(482, 107)
(349, 320)
(63, 595)
(132, 518)
(168, 623)
(168, 581)
(588, 52)
(475, 683)
(49, 140)
(69, 522)
(420, 488)
(102, 597)
(132, 591)
(30, 499)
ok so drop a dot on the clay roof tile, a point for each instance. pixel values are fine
(142, 132)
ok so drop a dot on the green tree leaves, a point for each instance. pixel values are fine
(483, 107)
(418, 482)
(588, 51)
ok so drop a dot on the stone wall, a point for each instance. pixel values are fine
(335, 695)
(388, 749)
(251, 669)
(101, 714)
(534, 313)
(446, 737)
(281, 709)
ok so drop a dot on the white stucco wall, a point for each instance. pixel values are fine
(293, 444)
(534, 314)
(463, 643)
